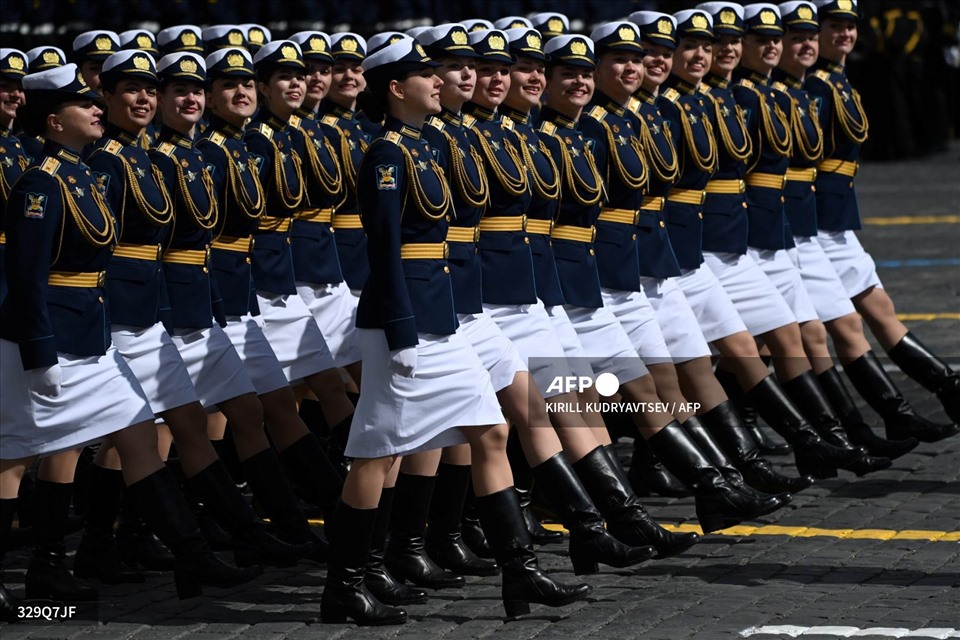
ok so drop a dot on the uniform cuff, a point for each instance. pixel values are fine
(39, 352)
(401, 333)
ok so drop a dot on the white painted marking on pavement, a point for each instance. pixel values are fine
(849, 632)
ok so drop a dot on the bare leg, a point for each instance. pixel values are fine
(878, 310)
(848, 337)
(491, 469)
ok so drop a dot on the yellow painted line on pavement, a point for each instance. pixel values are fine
(811, 532)
(901, 220)
(927, 317)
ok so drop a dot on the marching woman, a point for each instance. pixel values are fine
(337, 114)
(685, 112)
(845, 128)
(424, 385)
(13, 156)
(834, 309)
(615, 134)
(64, 384)
(230, 101)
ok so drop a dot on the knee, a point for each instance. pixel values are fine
(814, 334)
(492, 440)
(739, 345)
(643, 389)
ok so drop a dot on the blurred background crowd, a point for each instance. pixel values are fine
(907, 63)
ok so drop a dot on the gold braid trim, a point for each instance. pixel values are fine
(475, 196)
(627, 178)
(782, 146)
(94, 236)
(159, 217)
(429, 210)
(203, 220)
(513, 186)
(331, 183)
(288, 199)
(808, 150)
(544, 189)
(706, 163)
(592, 192)
(855, 131)
(250, 207)
(664, 169)
(735, 152)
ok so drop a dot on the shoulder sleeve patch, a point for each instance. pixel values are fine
(386, 176)
(35, 205)
(102, 180)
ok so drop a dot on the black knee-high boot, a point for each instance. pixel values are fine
(97, 555)
(731, 434)
(808, 394)
(719, 505)
(136, 544)
(523, 579)
(268, 481)
(917, 361)
(345, 595)
(748, 414)
(627, 520)
(252, 542)
(648, 476)
(163, 506)
(313, 471)
(47, 578)
(444, 541)
(379, 580)
(856, 427)
(814, 456)
(471, 530)
(590, 543)
(406, 557)
(875, 386)
(523, 479)
(8, 602)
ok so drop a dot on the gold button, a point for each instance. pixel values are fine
(448, 218)
(332, 230)
(813, 187)
(446, 269)
(700, 215)
(634, 237)
(100, 299)
(592, 252)
(289, 240)
(526, 240)
(248, 259)
(662, 224)
(851, 184)
(744, 205)
(205, 270)
(782, 199)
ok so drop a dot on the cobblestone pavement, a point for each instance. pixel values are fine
(726, 584)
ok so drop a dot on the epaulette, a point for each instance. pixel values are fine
(506, 123)
(51, 166)
(330, 120)
(671, 94)
(744, 82)
(166, 148)
(548, 128)
(217, 138)
(633, 104)
(266, 130)
(779, 86)
(113, 147)
(823, 74)
(705, 88)
(394, 137)
(468, 121)
(436, 123)
(295, 121)
(597, 113)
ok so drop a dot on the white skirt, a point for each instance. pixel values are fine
(155, 360)
(711, 305)
(756, 298)
(639, 319)
(606, 344)
(334, 308)
(676, 320)
(294, 336)
(498, 355)
(398, 415)
(259, 360)
(213, 364)
(785, 276)
(853, 264)
(530, 330)
(822, 283)
(98, 396)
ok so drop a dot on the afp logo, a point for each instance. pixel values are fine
(606, 384)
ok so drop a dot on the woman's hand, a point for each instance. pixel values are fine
(403, 362)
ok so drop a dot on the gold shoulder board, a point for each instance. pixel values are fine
(329, 120)
(548, 128)
(218, 138)
(823, 74)
(633, 105)
(266, 130)
(705, 88)
(113, 147)
(166, 148)
(435, 122)
(744, 82)
(393, 136)
(671, 94)
(295, 121)
(468, 121)
(597, 113)
(506, 123)
(779, 86)
(51, 166)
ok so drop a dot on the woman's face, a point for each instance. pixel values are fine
(78, 121)
(459, 77)
(837, 38)
(181, 104)
(421, 91)
(346, 83)
(132, 104)
(233, 99)
(569, 88)
(11, 99)
(90, 71)
(691, 60)
(727, 54)
(619, 74)
(657, 64)
(284, 91)
(493, 83)
(527, 82)
(318, 77)
(762, 53)
(801, 48)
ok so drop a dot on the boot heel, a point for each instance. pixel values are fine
(583, 566)
(515, 608)
(717, 522)
(187, 588)
(820, 473)
(332, 617)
